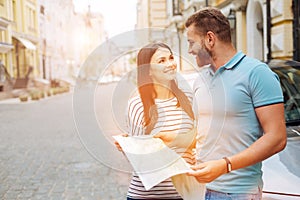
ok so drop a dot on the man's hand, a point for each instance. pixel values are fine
(209, 171)
(117, 143)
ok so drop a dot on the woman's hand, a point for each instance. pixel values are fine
(117, 143)
(183, 142)
(189, 156)
(167, 138)
(178, 140)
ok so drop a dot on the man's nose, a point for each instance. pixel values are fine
(190, 50)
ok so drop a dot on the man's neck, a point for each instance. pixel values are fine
(222, 55)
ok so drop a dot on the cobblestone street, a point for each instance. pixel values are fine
(42, 156)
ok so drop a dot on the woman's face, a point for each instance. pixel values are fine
(162, 66)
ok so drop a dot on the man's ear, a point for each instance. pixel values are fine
(210, 39)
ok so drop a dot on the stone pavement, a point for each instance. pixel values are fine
(42, 156)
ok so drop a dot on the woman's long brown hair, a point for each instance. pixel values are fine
(147, 90)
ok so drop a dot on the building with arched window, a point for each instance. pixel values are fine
(263, 29)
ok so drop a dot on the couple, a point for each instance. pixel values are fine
(237, 103)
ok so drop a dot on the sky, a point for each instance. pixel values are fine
(119, 15)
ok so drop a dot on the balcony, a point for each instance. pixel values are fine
(5, 47)
(4, 23)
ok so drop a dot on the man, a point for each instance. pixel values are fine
(239, 106)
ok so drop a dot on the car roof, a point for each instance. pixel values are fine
(275, 63)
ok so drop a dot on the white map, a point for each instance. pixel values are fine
(154, 162)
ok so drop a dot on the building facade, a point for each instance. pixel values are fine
(164, 24)
(67, 38)
(41, 39)
(263, 29)
(6, 45)
(19, 35)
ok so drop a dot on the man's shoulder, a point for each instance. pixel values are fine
(253, 62)
(250, 66)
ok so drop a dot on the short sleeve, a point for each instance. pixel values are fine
(265, 86)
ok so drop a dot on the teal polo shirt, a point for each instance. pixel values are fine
(224, 105)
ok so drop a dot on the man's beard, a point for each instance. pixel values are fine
(204, 57)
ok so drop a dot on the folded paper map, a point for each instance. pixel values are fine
(154, 162)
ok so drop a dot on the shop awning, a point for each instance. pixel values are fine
(26, 43)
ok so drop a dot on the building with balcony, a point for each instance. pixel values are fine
(152, 14)
(162, 22)
(263, 29)
(67, 37)
(25, 34)
(5, 39)
(6, 45)
(18, 39)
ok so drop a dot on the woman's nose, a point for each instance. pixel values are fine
(171, 64)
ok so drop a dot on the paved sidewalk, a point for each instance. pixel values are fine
(42, 157)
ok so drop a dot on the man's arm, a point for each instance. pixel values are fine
(272, 120)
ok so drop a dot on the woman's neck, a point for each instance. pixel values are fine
(163, 91)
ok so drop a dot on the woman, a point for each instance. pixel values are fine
(161, 107)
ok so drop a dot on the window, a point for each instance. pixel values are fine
(2, 36)
(42, 10)
(14, 10)
(177, 7)
(30, 18)
(290, 82)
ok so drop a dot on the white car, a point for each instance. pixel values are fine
(281, 172)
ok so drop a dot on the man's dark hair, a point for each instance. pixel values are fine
(210, 19)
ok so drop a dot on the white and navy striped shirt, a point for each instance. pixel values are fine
(170, 119)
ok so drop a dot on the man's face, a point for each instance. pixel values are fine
(194, 40)
(197, 47)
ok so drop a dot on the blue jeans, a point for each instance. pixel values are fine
(214, 195)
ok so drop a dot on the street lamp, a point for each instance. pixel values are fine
(177, 6)
(231, 18)
(178, 20)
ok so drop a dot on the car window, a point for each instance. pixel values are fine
(290, 83)
(281, 172)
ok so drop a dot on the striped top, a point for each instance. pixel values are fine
(171, 119)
